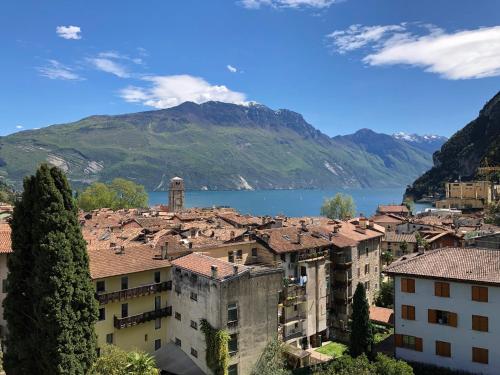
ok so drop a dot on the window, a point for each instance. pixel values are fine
(124, 310)
(480, 293)
(407, 312)
(441, 289)
(102, 314)
(157, 344)
(233, 344)
(407, 285)
(109, 339)
(480, 323)
(480, 355)
(254, 252)
(232, 370)
(194, 325)
(359, 272)
(442, 317)
(367, 285)
(157, 323)
(230, 256)
(239, 254)
(194, 296)
(157, 302)
(100, 286)
(124, 282)
(443, 349)
(178, 316)
(232, 313)
(408, 342)
(367, 268)
(157, 277)
(194, 353)
(178, 342)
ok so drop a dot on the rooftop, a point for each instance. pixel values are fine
(5, 242)
(396, 208)
(202, 265)
(460, 264)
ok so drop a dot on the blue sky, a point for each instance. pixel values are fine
(390, 65)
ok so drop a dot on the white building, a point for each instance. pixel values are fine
(446, 308)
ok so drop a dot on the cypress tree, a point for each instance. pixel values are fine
(50, 306)
(361, 339)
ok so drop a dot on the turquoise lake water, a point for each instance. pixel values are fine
(287, 202)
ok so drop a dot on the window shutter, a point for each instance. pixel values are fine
(411, 285)
(418, 344)
(431, 315)
(398, 340)
(445, 289)
(411, 312)
(404, 312)
(437, 289)
(452, 319)
(475, 293)
(404, 285)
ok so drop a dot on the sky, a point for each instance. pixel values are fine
(423, 67)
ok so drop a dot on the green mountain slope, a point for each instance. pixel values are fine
(464, 152)
(213, 145)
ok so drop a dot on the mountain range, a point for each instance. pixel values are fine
(215, 146)
(478, 143)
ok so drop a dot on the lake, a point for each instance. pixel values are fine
(287, 202)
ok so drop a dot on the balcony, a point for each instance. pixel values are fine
(140, 291)
(294, 294)
(133, 320)
(232, 325)
(305, 257)
(291, 319)
(295, 334)
(342, 293)
(342, 261)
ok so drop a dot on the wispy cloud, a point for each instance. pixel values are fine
(109, 66)
(69, 32)
(256, 4)
(19, 126)
(463, 54)
(170, 91)
(231, 68)
(55, 70)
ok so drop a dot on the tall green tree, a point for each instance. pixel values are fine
(361, 337)
(385, 296)
(272, 360)
(120, 193)
(50, 306)
(340, 207)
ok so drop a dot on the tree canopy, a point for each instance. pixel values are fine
(272, 361)
(340, 207)
(120, 193)
(385, 296)
(116, 361)
(382, 365)
(361, 338)
(50, 306)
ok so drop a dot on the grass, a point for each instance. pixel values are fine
(334, 349)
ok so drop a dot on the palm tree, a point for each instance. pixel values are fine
(140, 363)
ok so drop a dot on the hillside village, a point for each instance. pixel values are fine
(159, 272)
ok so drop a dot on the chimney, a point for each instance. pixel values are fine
(193, 232)
(246, 237)
(362, 222)
(265, 237)
(235, 269)
(214, 271)
(299, 235)
(190, 245)
(370, 223)
(421, 249)
(164, 250)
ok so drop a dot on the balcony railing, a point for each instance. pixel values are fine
(294, 318)
(292, 335)
(133, 320)
(342, 260)
(140, 291)
(313, 256)
(232, 325)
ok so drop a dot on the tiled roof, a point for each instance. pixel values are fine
(392, 208)
(400, 237)
(202, 265)
(466, 264)
(387, 219)
(285, 240)
(138, 258)
(381, 315)
(5, 242)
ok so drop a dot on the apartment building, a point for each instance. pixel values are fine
(240, 299)
(446, 308)
(467, 195)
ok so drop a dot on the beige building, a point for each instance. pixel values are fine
(467, 195)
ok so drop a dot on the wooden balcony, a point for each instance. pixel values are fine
(294, 294)
(133, 320)
(140, 291)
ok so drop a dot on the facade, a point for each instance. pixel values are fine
(467, 195)
(446, 308)
(240, 299)
(176, 194)
(399, 244)
(389, 222)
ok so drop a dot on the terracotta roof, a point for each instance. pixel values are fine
(396, 208)
(400, 237)
(108, 262)
(202, 265)
(387, 219)
(461, 264)
(5, 241)
(285, 240)
(381, 315)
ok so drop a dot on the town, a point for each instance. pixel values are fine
(161, 273)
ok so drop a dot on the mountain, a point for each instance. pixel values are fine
(212, 146)
(428, 142)
(463, 153)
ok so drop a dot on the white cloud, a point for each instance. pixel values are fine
(256, 4)
(109, 66)
(69, 32)
(463, 54)
(56, 70)
(231, 68)
(19, 126)
(170, 91)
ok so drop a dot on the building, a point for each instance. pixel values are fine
(399, 244)
(446, 308)
(394, 209)
(176, 194)
(240, 299)
(467, 195)
(486, 240)
(5, 250)
(389, 222)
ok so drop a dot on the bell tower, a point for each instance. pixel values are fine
(176, 194)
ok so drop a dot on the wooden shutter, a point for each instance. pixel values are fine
(411, 312)
(480, 293)
(452, 319)
(398, 340)
(443, 349)
(418, 344)
(432, 316)
(407, 285)
(480, 355)
(480, 323)
(404, 312)
(404, 285)
(441, 289)
(411, 285)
